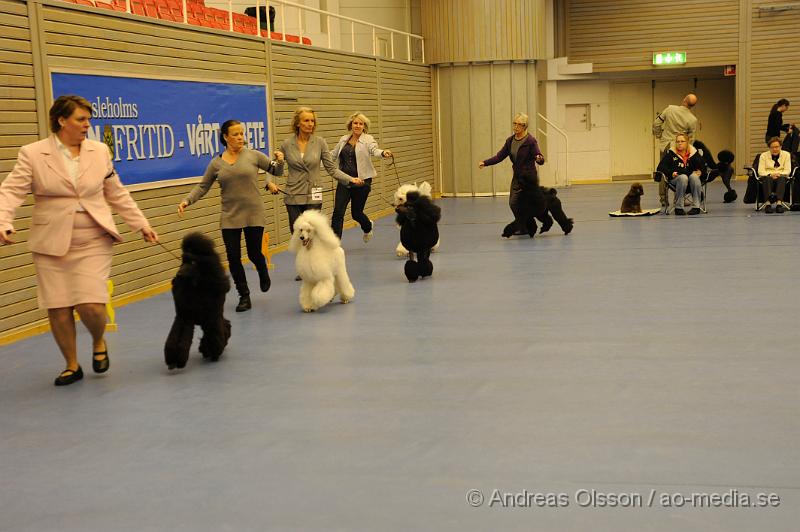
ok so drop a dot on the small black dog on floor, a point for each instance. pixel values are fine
(418, 218)
(198, 290)
(632, 202)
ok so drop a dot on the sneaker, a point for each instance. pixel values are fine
(679, 212)
(780, 209)
(368, 236)
(693, 211)
(768, 209)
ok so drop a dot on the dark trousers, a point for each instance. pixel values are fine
(295, 211)
(358, 195)
(773, 186)
(253, 237)
(526, 202)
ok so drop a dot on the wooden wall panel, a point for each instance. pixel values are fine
(18, 126)
(773, 73)
(395, 95)
(619, 35)
(483, 30)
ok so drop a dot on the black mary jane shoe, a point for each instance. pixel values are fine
(68, 376)
(100, 365)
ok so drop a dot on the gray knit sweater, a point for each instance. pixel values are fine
(238, 182)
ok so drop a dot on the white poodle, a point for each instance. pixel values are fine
(320, 262)
(400, 198)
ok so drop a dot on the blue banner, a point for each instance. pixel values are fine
(159, 130)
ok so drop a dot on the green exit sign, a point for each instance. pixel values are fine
(669, 58)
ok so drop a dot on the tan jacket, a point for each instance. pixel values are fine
(40, 169)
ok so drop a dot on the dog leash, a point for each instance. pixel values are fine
(170, 252)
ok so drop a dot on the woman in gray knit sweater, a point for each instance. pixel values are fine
(236, 169)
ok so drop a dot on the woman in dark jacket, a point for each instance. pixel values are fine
(684, 167)
(526, 198)
(775, 122)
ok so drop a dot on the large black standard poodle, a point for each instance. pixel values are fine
(198, 290)
(723, 168)
(418, 218)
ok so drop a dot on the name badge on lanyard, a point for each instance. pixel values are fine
(316, 193)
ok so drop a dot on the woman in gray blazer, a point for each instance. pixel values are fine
(353, 153)
(304, 152)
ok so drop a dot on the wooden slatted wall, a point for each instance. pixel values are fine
(774, 74)
(618, 35)
(395, 96)
(18, 126)
(83, 39)
(483, 30)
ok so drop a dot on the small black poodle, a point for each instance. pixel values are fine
(418, 218)
(198, 290)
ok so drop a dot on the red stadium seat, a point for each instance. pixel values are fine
(103, 5)
(137, 8)
(85, 2)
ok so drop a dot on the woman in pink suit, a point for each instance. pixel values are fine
(74, 186)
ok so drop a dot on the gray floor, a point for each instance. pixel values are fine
(644, 356)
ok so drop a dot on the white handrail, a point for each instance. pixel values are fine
(329, 16)
(566, 147)
(353, 22)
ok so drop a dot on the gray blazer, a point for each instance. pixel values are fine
(304, 172)
(365, 148)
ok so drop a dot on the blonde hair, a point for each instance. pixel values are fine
(360, 116)
(296, 119)
(521, 117)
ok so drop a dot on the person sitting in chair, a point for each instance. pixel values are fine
(774, 166)
(683, 166)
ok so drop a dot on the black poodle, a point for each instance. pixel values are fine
(198, 290)
(552, 209)
(419, 232)
(723, 168)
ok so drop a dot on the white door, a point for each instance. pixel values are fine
(631, 134)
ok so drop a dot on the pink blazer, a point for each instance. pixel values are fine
(41, 169)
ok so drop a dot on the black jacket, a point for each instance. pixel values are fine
(775, 125)
(672, 162)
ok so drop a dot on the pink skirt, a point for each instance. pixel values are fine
(81, 275)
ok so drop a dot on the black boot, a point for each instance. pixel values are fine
(244, 303)
(244, 299)
(264, 280)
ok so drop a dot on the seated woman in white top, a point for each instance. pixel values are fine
(774, 166)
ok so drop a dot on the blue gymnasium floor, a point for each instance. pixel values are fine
(635, 356)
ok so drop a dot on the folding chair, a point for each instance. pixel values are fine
(753, 179)
(658, 176)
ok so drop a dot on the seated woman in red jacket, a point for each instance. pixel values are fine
(684, 167)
